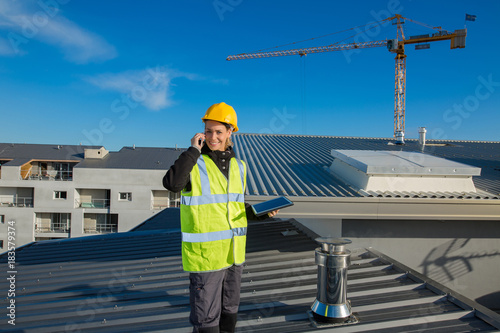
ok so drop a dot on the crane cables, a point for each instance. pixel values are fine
(375, 24)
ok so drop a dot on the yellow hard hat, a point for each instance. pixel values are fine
(223, 113)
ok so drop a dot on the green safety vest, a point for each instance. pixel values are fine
(213, 217)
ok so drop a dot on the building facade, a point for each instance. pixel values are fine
(54, 192)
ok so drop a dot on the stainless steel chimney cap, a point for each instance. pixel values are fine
(333, 245)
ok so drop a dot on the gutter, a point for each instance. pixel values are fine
(387, 208)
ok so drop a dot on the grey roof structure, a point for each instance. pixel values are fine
(135, 158)
(403, 162)
(297, 165)
(133, 282)
(22, 153)
(144, 158)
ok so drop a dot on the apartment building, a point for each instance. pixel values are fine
(55, 192)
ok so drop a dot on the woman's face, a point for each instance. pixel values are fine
(216, 135)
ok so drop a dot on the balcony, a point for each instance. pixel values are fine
(15, 201)
(100, 223)
(53, 229)
(16, 197)
(53, 223)
(101, 229)
(92, 198)
(55, 171)
(50, 175)
(162, 204)
(93, 203)
(164, 199)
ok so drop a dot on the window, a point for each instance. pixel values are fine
(1, 244)
(106, 223)
(2, 218)
(63, 171)
(175, 199)
(60, 195)
(125, 196)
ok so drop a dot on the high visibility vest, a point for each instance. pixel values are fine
(213, 217)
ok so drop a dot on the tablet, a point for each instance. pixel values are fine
(265, 207)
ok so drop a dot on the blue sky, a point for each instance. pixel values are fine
(118, 73)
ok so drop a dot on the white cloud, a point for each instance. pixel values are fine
(150, 87)
(79, 45)
(39, 21)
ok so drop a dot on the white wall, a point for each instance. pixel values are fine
(24, 219)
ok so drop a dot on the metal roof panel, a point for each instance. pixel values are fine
(133, 282)
(298, 165)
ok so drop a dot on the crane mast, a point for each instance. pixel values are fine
(400, 86)
(397, 46)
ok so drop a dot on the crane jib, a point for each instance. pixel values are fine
(304, 51)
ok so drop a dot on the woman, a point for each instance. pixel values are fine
(213, 220)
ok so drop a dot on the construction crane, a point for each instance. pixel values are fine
(396, 46)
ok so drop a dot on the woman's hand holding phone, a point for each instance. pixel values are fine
(198, 140)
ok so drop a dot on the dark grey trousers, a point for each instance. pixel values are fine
(213, 293)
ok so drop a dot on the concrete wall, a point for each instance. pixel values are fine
(24, 219)
(462, 255)
(11, 172)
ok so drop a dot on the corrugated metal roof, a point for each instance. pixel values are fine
(290, 165)
(297, 165)
(133, 282)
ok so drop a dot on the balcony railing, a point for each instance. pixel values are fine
(93, 203)
(101, 229)
(162, 204)
(13, 201)
(53, 229)
(50, 175)
(159, 204)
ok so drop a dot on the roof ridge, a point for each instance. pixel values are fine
(358, 137)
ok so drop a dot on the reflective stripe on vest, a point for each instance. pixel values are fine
(213, 236)
(213, 217)
(212, 198)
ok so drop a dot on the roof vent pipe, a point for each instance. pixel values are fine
(400, 138)
(421, 136)
(333, 260)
